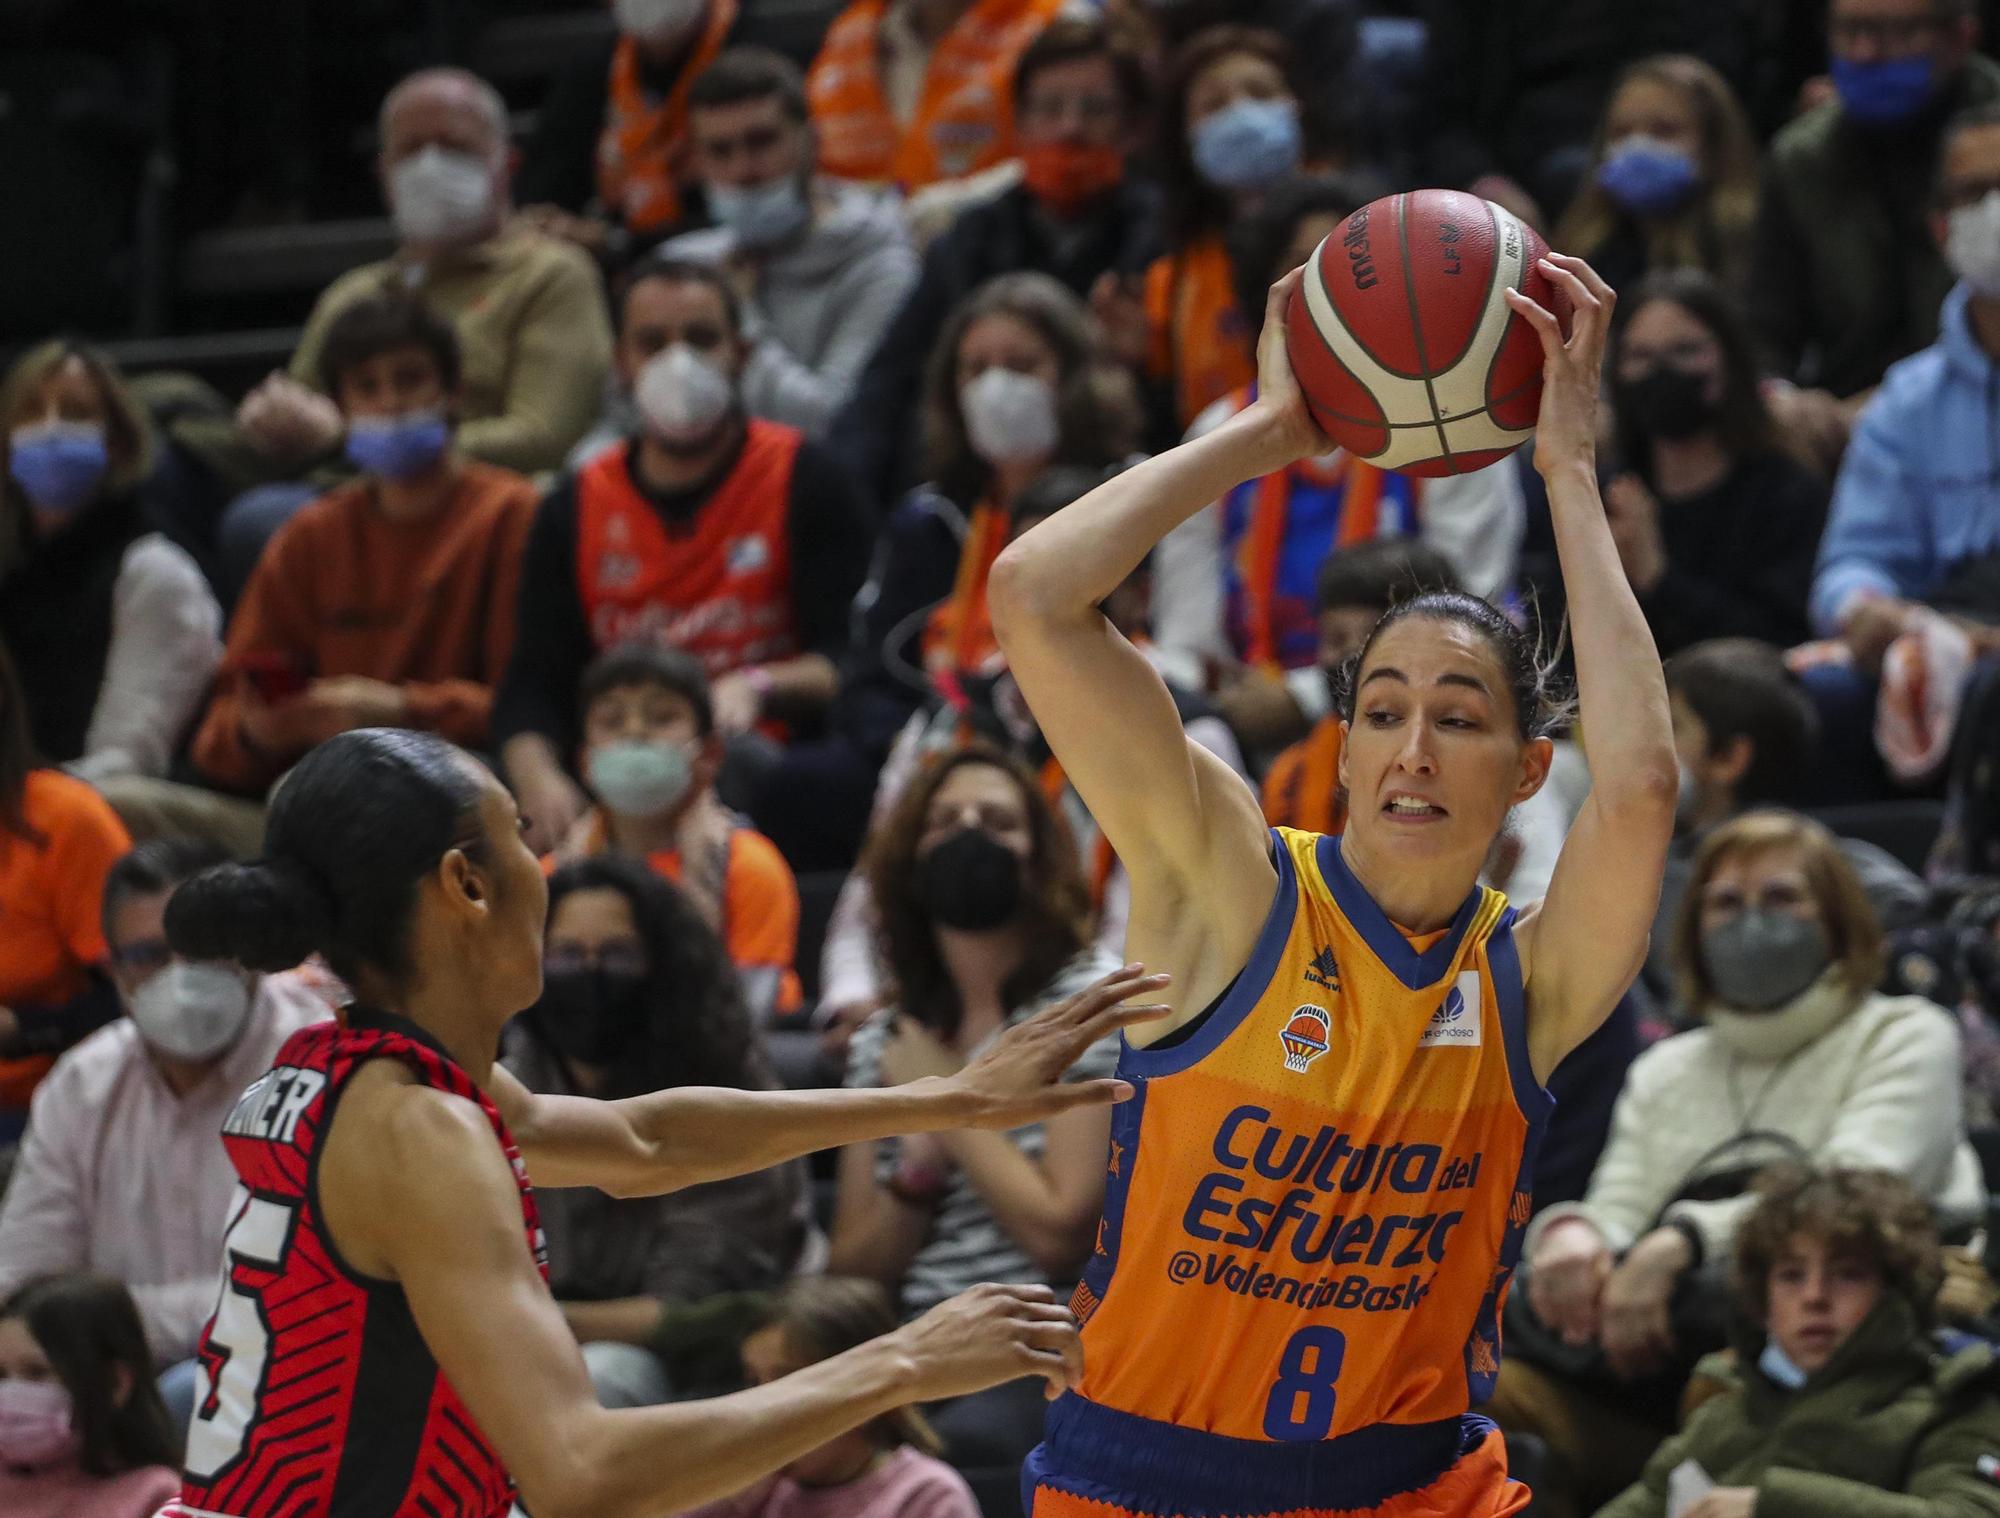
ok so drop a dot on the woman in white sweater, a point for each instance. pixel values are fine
(1798, 1057)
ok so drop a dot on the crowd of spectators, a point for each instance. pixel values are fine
(664, 463)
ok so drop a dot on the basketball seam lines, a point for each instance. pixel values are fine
(1417, 325)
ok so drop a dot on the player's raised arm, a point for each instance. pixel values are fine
(405, 1152)
(1174, 813)
(687, 1135)
(1585, 941)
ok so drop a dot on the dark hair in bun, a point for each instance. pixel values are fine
(353, 829)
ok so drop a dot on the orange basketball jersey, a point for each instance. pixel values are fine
(1317, 1196)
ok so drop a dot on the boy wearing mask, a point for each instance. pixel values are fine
(733, 538)
(389, 601)
(650, 757)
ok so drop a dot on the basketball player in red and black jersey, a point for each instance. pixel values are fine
(385, 1341)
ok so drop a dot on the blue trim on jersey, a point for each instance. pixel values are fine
(1503, 957)
(1414, 970)
(1145, 1466)
(1244, 993)
(1126, 1119)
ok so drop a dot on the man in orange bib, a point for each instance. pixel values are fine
(728, 536)
(1317, 1196)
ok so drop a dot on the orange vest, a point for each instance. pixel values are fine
(718, 585)
(1331, 1176)
(1302, 789)
(1200, 340)
(642, 152)
(964, 120)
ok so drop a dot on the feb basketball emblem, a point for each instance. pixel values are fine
(1304, 1036)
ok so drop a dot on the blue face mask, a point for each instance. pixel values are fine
(1885, 92)
(60, 465)
(1248, 145)
(1648, 178)
(397, 447)
(761, 216)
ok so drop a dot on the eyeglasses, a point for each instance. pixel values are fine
(142, 956)
(1088, 110)
(626, 961)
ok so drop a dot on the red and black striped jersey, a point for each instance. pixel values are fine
(317, 1396)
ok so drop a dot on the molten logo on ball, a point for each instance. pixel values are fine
(1402, 339)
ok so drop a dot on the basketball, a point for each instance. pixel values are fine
(1402, 339)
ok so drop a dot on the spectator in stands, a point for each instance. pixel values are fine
(734, 538)
(1837, 1400)
(889, 1469)
(984, 920)
(116, 632)
(1672, 179)
(608, 168)
(1242, 623)
(387, 602)
(1716, 525)
(1322, 33)
(1082, 213)
(1018, 380)
(1356, 586)
(650, 757)
(528, 310)
(1847, 276)
(638, 995)
(820, 266)
(1747, 737)
(909, 92)
(58, 838)
(82, 1431)
(1798, 1057)
(1913, 508)
(975, 697)
(1239, 120)
(121, 1170)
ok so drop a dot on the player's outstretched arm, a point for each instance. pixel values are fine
(1585, 941)
(665, 1140)
(417, 1191)
(1186, 827)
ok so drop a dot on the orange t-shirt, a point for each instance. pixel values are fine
(1302, 789)
(760, 905)
(50, 898)
(428, 606)
(964, 119)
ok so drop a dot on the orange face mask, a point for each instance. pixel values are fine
(1065, 176)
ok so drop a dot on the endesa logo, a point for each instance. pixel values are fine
(1457, 1022)
(1312, 1216)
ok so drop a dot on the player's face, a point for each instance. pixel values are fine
(21, 1358)
(1816, 1299)
(1433, 758)
(1654, 109)
(510, 960)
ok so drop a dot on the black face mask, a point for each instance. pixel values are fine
(1667, 402)
(970, 881)
(589, 1015)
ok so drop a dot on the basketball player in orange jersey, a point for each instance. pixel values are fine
(1317, 1196)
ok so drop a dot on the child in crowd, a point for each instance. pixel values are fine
(83, 1433)
(890, 1469)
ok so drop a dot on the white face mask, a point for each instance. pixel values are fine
(191, 1011)
(683, 396)
(761, 216)
(439, 195)
(1010, 418)
(657, 20)
(1972, 243)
